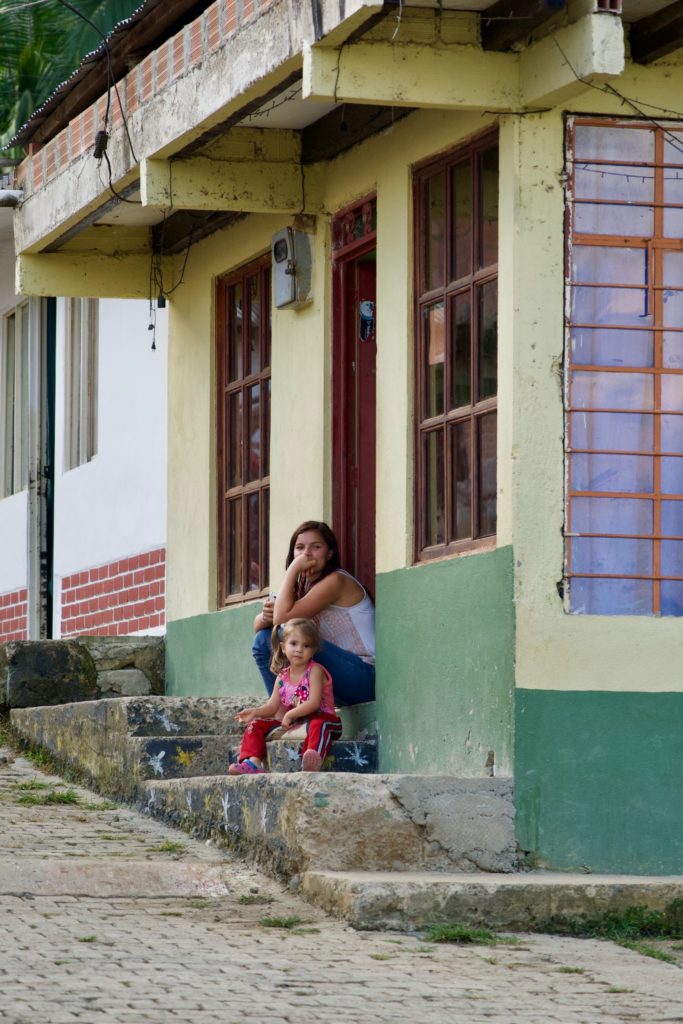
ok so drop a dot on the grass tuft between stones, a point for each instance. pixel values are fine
(281, 922)
(463, 934)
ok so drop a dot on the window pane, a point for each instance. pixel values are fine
(672, 354)
(253, 535)
(254, 334)
(266, 317)
(672, 518)
(602, 181)
(672, 434)
(434, 345)
(613, 557)
(595, 390)
(435, 271)
(461, 326)
(433, 504)
(233, 441)
(607, 264)
(613, 347)
(611, 597)
(235, 370)
(461, 453)
(618, 431)
(611, 515)
(600, 142)
(592, 219)
(671, 600)
(253, 464)
(234, 537)
(621, 307)
(488, 340)
(672, 312)
(672, 557)
(626, 473)
(672, 391)
(462, 219)
(673, 193)
(672, 476)
(486, 426)
(266, 427)
(488, 225)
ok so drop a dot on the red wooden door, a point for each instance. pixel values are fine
(354, 392)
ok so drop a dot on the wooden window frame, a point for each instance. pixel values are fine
(424, 297)
(654, 245)
(81, 381)
(225, 388)
(14, 387)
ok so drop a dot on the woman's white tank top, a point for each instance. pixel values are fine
(352, 628)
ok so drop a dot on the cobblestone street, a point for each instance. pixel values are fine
(110, 917)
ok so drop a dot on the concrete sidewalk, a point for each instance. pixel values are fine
(128, 921)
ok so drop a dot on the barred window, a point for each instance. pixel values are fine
(81, 369)
(624, 368)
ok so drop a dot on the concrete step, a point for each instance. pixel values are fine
(292, 823)
(346, 756)
(519, 902)
(123, 742)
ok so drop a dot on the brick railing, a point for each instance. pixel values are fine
(156, 72)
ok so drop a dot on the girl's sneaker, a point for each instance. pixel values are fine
(311, 761)
(245, 767)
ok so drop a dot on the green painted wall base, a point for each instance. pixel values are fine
(598, 778)
(210, 655)
(445, 666)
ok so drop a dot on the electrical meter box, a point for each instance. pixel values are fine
(291, 250)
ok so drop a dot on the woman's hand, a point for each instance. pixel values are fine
(267, 612)
(302, 564)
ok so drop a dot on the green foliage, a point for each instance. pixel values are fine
(629, 925)
(69, 796)
(280, 922)
(41, 46)
(463, 934)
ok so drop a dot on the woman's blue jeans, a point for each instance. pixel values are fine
(353, 680)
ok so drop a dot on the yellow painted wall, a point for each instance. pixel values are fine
(556, 650)
(301, 381)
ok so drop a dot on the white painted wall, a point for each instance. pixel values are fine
(115, 505)
(14, 509)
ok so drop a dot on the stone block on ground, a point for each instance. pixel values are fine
(123, 682)
(117, 653)
(46, 672)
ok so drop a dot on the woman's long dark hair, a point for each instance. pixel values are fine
(328, 536)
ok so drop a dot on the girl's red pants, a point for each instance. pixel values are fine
(321, 729)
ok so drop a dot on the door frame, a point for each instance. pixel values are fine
(354, 234)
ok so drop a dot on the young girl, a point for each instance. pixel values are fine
(303, 690)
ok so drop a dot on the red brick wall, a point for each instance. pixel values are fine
(13, 610)
(164, 65)
(121, 597)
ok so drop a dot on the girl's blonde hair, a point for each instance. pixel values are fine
(280, 634)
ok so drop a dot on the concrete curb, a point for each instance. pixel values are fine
(408, 901)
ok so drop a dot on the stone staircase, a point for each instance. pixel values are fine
(169, 756)
(123, 743)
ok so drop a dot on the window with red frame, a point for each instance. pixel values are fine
(243, 424)
(624, 368)
(456, 259)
